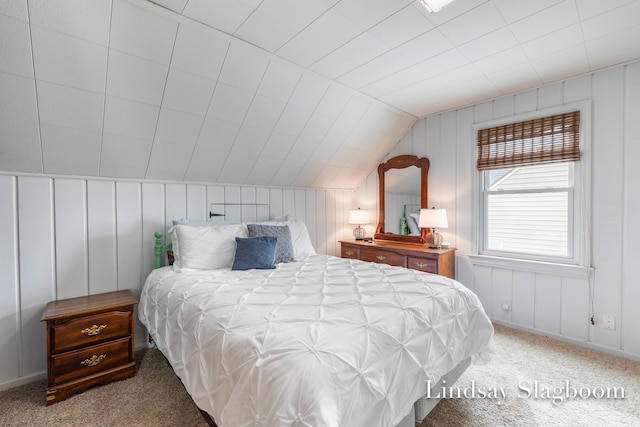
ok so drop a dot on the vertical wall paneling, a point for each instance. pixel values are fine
(175, 202)
(9, 308)
(275, 203)
(232, 212)
(71, 238)
(215, 200)
(526, 102)
(330, 209)
(503, 107)
(196, 203)
(153, 219)
(630, 322)
(262, 198)
(311, 215)
(288, 202)
(129, 234)
(501, 284)
(549, 290)
(37, 284)
(249, 211)
(465, 171)
(300, 201)
(321, 222)
(101, 237)
(482, 278)
(575, 308)
(550, 95)
(607, 198)
(523, 298)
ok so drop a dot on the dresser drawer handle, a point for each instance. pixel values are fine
(381, 257)
(421, 264)
(349, 253)
(94, 330)
(95, 359)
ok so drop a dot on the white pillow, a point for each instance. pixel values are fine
(300, 238)
(205, 248)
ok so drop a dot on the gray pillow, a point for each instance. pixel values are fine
(284, 247)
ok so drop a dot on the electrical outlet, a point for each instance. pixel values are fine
(609, 321)
(506, 304)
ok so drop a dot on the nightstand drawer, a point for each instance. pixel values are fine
(428, 265)
(88, 330)
(383, 257)
(88, 361)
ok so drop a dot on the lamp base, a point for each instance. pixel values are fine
(434, 240)
(359, 233)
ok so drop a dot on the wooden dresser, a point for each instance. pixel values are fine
(417, 257)
(89, 342)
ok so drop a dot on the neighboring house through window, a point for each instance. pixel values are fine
(530, 189)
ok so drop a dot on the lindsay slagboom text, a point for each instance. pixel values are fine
(526, 389)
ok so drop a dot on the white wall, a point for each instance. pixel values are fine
(551, 303)
(66, 237)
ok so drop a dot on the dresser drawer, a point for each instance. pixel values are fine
(381, 256)
(422, 264)
(88, 330)
(349, 252)
(88, 361)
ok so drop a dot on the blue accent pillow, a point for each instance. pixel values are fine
(255, 252)
(284, 249)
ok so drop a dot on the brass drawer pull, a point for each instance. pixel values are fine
(94, 330)
(95, 359)
(381, 257)
(349, 253)
(421, 264)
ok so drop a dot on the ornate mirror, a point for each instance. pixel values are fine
(403, 192)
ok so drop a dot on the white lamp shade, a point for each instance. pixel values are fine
(433, 218)
(359, 216)
(435, 5)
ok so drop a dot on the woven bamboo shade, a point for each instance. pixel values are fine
(544, 140)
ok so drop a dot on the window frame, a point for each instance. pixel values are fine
(579, 201)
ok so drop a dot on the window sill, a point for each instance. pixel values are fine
(566, 270)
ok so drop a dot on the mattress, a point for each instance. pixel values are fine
(325, 341)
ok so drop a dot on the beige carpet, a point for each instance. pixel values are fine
(155, 397)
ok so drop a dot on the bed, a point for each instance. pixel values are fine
(313, 341)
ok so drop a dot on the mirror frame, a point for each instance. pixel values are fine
(401, 162)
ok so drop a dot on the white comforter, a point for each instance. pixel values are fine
(323, 342)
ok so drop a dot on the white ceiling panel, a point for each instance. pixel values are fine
(230, 103)
(140, 32)
(187, 92)
(78, 18)
(70, 107)
(70, 151)
(68, 61)
(264, 112)
(15, 48)
(214, 90)
(513, 11)
(225, 15)
(199, 51)
(134, 78)
(477, 22)
(130, 118)
(546, 21)
(243, 67)
(133, 165)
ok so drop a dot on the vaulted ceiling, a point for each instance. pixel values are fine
(308, 93)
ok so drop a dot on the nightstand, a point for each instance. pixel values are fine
(89, 342)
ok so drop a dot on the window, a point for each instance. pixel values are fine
(529, 174)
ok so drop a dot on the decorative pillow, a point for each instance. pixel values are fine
(255, 252)
(205, 248)
(300, 238)
(284, 248)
